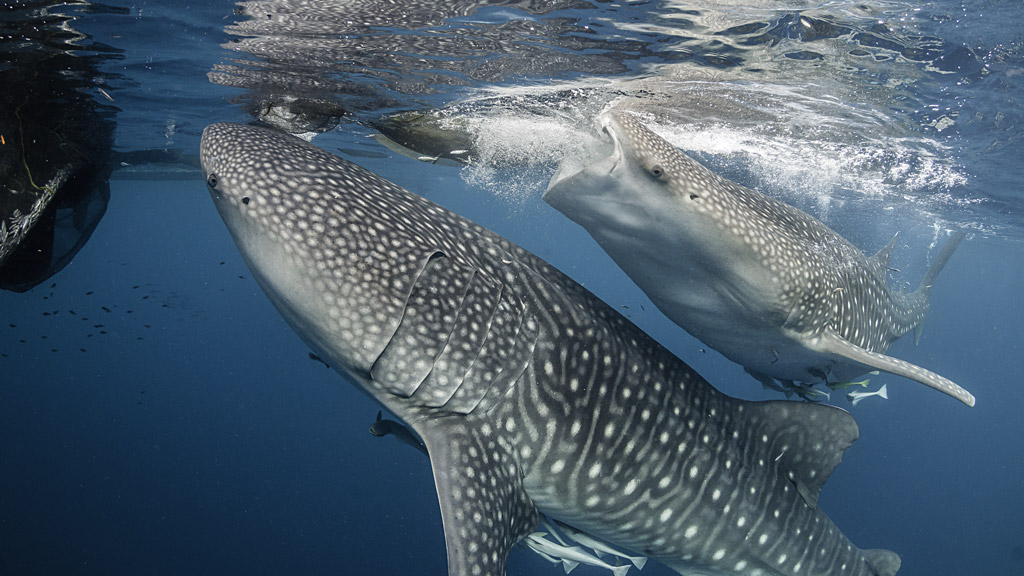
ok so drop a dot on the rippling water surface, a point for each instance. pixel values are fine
(156, 416)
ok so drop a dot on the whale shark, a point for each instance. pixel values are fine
(765, 284)
(532, 396)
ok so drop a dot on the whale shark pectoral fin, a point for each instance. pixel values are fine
(484, 508)
(831, 343)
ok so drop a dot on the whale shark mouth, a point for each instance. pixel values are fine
(571, 166)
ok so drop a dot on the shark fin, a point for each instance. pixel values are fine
(831, 343)
(933, 271)
(882, 562)
(484, 508)
(940, 262)
(880, 261)
(806, 441)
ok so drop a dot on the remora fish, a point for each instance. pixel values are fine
(856, 396)
(382, 427)
(767, 285)
(529, 392)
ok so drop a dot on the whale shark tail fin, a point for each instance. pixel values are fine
(925, 288)
(940, 262)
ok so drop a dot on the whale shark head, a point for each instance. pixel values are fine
(305, 223)
(654, 209)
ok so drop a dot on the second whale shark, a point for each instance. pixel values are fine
(531, 395)
(765, 284)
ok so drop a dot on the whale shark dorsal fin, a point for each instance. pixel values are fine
(831, 343)
(805, 441)
(471, 491)
(880, 261)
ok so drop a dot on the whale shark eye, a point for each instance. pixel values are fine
(211, 180)
(657, 172)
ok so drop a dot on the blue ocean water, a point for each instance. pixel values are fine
(157, 416)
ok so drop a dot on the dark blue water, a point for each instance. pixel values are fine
(157, 416)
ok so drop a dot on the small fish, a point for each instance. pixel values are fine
(382, 427)
(844, 385)
(538, 543)
(316, 358)
(856, 396)
(600, 546)
(567, 565)
(810, 393)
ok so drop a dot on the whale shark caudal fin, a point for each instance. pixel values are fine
(882, 562)
(484, 507)
(925, 288)
(831, 343)
(940, 262)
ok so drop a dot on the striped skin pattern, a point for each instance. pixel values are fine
(765, 284)
(528, 392)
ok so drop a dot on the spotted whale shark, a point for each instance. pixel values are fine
(765, 284)
(531, 395)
